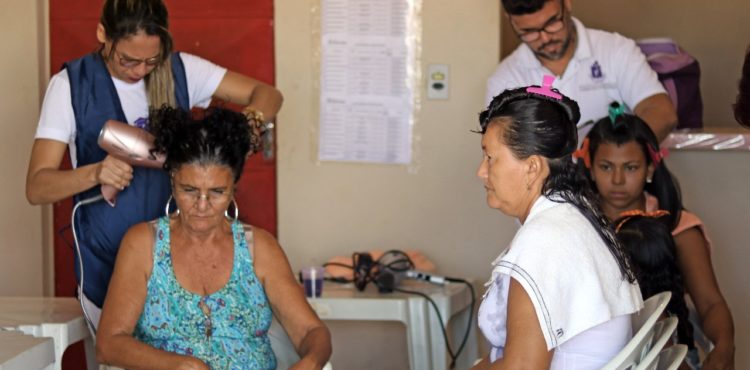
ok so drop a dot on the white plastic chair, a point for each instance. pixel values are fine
(671, 358)
(286, 354)
(662, 333)
(643, 323)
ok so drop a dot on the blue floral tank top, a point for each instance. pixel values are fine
(226, 330)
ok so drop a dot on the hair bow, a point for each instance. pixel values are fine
(627, 215)
(657, 155)
(583, 153)
(546, 89)
(616, 110)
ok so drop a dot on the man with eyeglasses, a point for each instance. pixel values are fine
(593, 67)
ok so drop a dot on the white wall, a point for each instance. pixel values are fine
(328, 209)
(22, 256)
(715, 186)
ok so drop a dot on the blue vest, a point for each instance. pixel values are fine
(99, 227)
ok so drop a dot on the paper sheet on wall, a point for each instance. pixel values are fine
(366, 104)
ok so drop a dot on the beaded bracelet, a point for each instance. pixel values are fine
(254, 115)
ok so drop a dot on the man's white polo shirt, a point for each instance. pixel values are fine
(606, 67)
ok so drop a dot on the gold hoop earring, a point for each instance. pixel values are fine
(236, 211)
(166, 209)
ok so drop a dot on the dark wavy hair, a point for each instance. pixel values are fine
(537, 125)
(742, 105)
(223, 137)
(629, 128)
(520, 7)
(653, 255)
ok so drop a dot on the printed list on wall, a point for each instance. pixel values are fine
(366, 84)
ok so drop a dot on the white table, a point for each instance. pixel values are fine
(60, 318)
(424, 337)
(19, 351)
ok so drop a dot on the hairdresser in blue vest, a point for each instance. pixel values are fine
(133, 71)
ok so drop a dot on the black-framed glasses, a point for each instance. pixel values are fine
(129, 62)
(552, 26)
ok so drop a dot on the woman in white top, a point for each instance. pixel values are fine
(561, 294)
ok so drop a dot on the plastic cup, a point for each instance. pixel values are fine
(312, 280)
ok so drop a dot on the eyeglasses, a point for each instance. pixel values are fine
(553, 25)
(190, 195)
(129, 62)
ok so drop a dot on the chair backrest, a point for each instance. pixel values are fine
(652, 309)
(283, 348)
(671, 358)
(662, 333)
(643, 323)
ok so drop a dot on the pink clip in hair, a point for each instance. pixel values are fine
(546, 89)
(657, 156)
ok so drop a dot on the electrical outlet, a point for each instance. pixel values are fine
(437, 81)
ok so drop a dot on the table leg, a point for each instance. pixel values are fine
(418, 335)
(90, 347)
(470, 352)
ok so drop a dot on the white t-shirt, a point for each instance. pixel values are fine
(582, 302)
(57, 120)
(605, 67)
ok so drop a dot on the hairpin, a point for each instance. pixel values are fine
(637, 212)
(583, 153)
(656, 156)
(545, 89)
(615, 110)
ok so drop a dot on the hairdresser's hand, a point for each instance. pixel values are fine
(719, 359)
(112, 171)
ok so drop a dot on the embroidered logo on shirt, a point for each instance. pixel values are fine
(559, 332)
(141, 123)
(596, 71)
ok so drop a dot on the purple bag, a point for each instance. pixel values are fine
(680, 74)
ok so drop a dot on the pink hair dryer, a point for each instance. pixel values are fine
(129, 144)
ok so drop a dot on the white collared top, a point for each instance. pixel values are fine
(573, 281)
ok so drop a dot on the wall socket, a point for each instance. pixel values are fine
(438, 79)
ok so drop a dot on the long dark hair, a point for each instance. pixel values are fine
(629, 128)
(223, 137)
(653, 255)
(537, 125)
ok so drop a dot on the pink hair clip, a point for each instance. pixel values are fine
(546, 89)
(657, 156)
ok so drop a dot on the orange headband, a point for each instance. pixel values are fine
(583, 153)
(637, 212)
